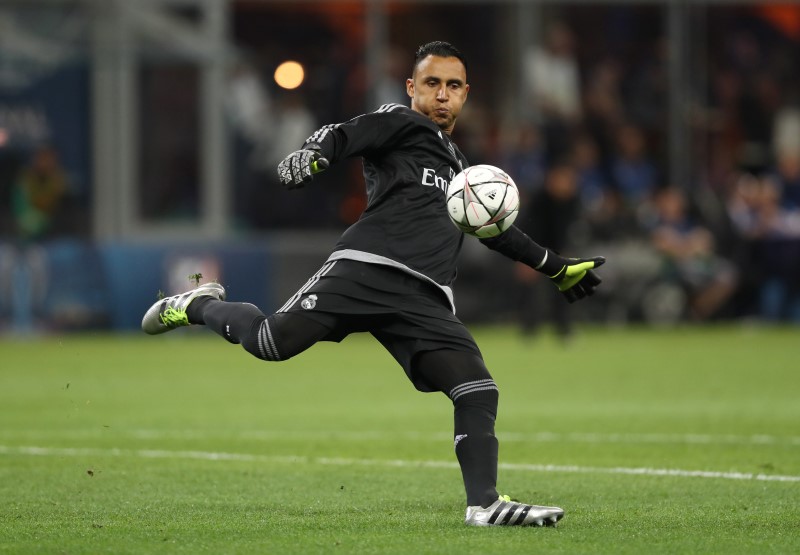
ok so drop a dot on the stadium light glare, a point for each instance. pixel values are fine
(289, 75)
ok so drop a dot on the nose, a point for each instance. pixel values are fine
(441, 93)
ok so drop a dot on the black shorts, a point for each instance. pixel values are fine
(405, 313)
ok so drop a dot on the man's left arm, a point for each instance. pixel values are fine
(574, 277)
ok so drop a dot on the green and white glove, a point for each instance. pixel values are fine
(576, 280)
(298, 168)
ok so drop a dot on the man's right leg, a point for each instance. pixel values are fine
(277, 337)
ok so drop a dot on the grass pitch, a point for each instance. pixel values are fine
(654, 441)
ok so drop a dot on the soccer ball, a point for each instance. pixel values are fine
(482, 201)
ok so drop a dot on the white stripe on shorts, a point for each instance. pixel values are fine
(309, 284)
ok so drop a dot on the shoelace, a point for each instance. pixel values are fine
(173, 317)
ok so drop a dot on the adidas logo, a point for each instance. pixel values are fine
(491, 194)
(459, 438)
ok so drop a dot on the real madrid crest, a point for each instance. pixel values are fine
(309, 302)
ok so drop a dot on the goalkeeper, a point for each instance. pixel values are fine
(391, 272)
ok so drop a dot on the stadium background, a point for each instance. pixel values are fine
(150, 131)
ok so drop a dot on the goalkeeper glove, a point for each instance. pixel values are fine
(298, 168)
(576, 279)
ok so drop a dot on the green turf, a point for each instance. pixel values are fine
(184, 444)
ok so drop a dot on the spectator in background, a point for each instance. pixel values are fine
(765, 213)
(742, 52)
(779, 250)
(293, 123)
(757, 95)
(38, 194)
(634, 174)
(552, 80)
(759, 104)
(269, 205)
(603, 106)
(37, 198)
(646, 90)
(477, 135)
(721, 171)
(771, 235)
(688, 254)
(786, 147)
(602, 206)
(265, 123)
(388, 88)
(722, 117)
(550, 214)
(250, 111)
(524, 158)
(593, 182)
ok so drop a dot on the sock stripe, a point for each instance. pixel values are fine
(266, 344)
(270, 340)
(471, 387)
(262, 348)
(473, 390)
(470, 384)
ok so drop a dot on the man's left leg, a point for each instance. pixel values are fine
(464, 378)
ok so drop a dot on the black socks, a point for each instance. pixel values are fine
(233, 321)
(463, 377)
(476, 446)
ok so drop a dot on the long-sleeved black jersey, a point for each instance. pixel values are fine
(408, 164)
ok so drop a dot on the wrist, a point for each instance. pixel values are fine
(518, 246)
(551, 264)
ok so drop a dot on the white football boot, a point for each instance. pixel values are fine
(170, 312)
(505, 512)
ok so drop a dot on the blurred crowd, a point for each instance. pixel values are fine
(587, 141)
(591, 164)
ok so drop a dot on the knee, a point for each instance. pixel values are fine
(262, 341)
(276, 338)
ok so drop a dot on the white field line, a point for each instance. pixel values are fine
(367, 435)
(396, 463)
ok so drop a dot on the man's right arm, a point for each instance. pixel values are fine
(299, 167)
(358, 137)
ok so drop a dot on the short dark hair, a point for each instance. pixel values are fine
(438, 48)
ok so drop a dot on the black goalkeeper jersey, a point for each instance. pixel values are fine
(408, 164)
